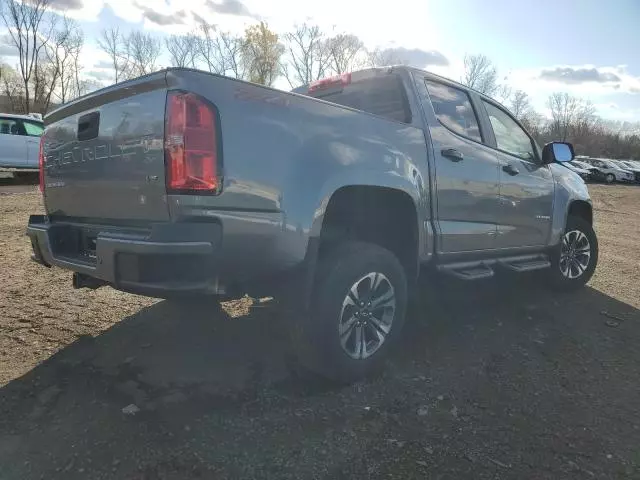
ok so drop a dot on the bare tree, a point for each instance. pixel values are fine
(384, 57)
(63, 52)
(87, 85)
(30, 27)
(307, 58)
(114, 44)
(221, 52)
(503, 93)
(345, 52)
(45, 79)
(12, 88)
(520, 105)
(565, 112)
(208, 50)
(480, 74)
(182, 49)
(143, 50)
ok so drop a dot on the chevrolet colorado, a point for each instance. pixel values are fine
(333, 197)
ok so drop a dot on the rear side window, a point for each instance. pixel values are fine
(33, 129)
(384, 96)
(10, 126)
(453, 109)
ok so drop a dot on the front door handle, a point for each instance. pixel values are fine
(510, 169)
(452, 154)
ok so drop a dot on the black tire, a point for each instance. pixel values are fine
(316, 338)
(560, 280)
(610, 178)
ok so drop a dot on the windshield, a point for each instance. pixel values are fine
(618, 164)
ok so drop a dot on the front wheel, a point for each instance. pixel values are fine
(610, 178)
(574, 260)
(357, 312)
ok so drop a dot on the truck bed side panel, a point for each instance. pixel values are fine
(284, 156)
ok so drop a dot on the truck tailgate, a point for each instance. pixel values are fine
(104, 155)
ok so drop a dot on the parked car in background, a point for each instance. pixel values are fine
(595, 174)
(612, 172)
(585, 173)
(630, 166)
(19, 143)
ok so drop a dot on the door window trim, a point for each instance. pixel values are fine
(537, 161)
(483, 138)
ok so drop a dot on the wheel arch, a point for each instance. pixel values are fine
(384, 215)
(582, 209)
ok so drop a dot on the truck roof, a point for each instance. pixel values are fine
(377, 70)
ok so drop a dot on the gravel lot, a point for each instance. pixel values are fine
(495, 380)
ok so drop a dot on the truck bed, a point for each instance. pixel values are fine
(282, 156)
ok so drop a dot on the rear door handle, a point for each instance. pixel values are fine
(452, 154)
(510, 169)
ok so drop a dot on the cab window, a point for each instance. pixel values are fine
(510, 137)
(454, 110)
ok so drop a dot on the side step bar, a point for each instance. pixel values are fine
(526, 264)
(479, 269)
(468, 270)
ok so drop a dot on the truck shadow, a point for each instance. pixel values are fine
(181, 364)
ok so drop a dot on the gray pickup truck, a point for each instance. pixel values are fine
(333, 198)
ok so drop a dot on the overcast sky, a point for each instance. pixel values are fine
(585, 47)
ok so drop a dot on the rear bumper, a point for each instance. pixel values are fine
(169, 257)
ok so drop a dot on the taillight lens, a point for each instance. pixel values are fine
(191, 144)
(41, 164)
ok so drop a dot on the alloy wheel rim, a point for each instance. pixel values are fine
(367, 315)
(575, 254)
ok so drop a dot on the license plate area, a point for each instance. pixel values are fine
(87, 243)
(74, 242)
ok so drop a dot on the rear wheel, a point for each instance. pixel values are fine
(357, 312)
(575, 259)
(610, 178)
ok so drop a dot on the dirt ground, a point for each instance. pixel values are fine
(495, 380)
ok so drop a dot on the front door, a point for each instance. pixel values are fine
(13, 144)
(465, 172)
(526, 185)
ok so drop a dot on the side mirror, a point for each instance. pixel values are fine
(557, 152)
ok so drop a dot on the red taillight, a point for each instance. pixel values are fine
(190, 144)
(331, 82)
(41, 164)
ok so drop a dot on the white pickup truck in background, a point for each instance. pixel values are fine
(19, 144)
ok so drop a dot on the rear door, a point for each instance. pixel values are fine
(13, 144)
(526, 185)
(466, 179)
(104, 155)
